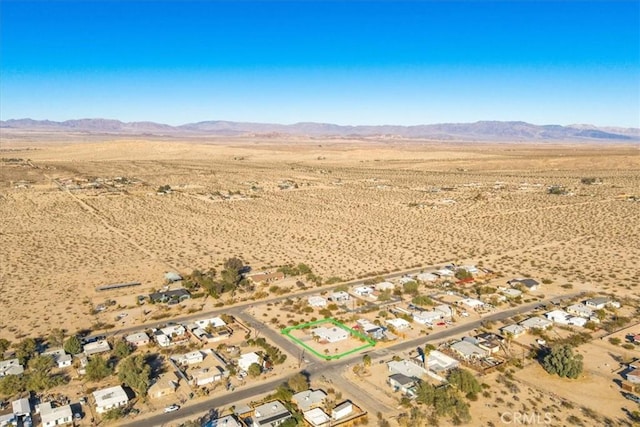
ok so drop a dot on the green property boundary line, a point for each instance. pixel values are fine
(369, 341)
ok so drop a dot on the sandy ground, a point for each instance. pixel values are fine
(348, 208)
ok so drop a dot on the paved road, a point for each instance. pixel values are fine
(332, 369)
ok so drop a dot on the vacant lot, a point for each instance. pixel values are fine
(345, 208)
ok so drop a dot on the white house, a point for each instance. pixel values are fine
(190, 358)
(109, 398)
(578, 321)
(343, 410)
(332, 335)
(427, 317)
(513, 330)
(398, 323)
(309, 399)
(363, 291)
(204, 376)
(597, 303)
(316, 417)
(96, 347)
(445, 272)
(339, 296)
(529, 284)
(427, 277)
(55, 416)
(385, 286)
(215, 322)
(471, 302)
(440, 362)
(10, 367)
(446, 310)
(580, 310)
(317, 301)
(62, 359)
(21, 407)
(407, 368)
(249, 359)
(468, 350)
(536, 323)
(511, 292)
(138, 339)
(228, 421)
(558, 316)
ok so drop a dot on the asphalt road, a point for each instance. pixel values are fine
(331, 369)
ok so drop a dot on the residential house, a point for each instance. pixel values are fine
(340, 296)
(488, 341)
(317, 418)
(514, 330)
(317, 301)
(61, 359)
(528, 284)
(427, 317)
(228, 421)
(21, 407)
(190, 358)
(406, 279)
(171, 335)
(363, 291)
(214, 322)
(400, 382)
(165, 385)
(597, 303)
(97, 347)
(439, 362)
(178, 295)
(172, 276)
(427, 277)
(270, 414)
(580, 310)
(444, 272)
(634, 376)
(510, 292)
(341, 411)
(249, 359)
(53, 416)
(536, 322)
(578, 321)
(446, 310)
(202, 376)
(398, 323)
(109, 398)
(309, 399)
(10, 367)
(558, 316)
(371, 329)
(468, 350)
(471, 303)
(330, 335)
(385, 286)
(139, 339)
(407, 368)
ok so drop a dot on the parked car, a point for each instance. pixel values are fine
(632, 397)
(171, 408)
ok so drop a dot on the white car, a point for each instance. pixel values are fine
(171, 408)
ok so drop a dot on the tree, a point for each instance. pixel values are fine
(73, 345)
(97, 369)
(12, 384)
(464, 381)
(56, 338)
(462, 274)
(39, 377)
(298, 383)
(25, 350)
(4, 345)
(122, 349)
(366, 360)
(135, 372)
(428, 348)
(254, 370)
(410, 288)
(563, 362)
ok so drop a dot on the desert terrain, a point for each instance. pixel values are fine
(347, 208)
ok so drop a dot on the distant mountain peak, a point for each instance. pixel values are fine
(484, 130)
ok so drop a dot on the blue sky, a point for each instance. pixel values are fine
(358, 62)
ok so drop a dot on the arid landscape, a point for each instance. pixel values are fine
(347, 208)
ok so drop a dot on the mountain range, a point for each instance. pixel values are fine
(482, 130)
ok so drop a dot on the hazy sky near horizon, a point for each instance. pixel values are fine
(358, 62)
